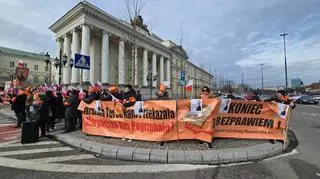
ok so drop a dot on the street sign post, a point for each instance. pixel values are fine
(81, 61)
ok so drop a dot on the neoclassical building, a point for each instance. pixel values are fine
(109, 42)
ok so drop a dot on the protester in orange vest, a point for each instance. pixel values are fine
(205, 94)
(162, 93)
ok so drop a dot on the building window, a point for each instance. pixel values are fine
(35, 67)
(35, 79)
(11, 64)
(25, 65)
(46, 79)
(11, 77)
(46, 68)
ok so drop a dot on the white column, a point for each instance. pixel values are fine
(75, 77)
(161, 69)
(59, 45)
(67, 51)
(105, 57)
(136, 72)
(145, 67)
(121, 63)
(154, 68)
(93, 58)
(169, 73)
(85, 49)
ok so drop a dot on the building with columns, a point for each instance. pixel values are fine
(115, 59)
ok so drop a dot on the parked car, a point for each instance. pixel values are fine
(305, 99)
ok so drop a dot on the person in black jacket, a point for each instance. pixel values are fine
(51, 101)
(92, 95)
(129, 96)
(43, 108)
(230, 95)
(139, 97)
(59, 107)
(19, 107)
(71, 113)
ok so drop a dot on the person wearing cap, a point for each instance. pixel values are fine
(92, 95)
(205, 94)
(162, 93)
(280, 97)
(129, 98)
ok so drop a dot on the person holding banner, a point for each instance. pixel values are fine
(162, 94)
(205, 94)
(91, 95)
(129, 96)
(281, 97)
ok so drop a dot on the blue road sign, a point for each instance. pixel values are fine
(81, 61)
(182, 77)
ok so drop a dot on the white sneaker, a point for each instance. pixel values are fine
(129, 140)
(123, 139)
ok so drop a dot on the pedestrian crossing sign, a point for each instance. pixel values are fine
(81, 61)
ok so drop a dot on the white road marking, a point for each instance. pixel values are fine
(62, 158)
(33, 151)
(70, 168)
(283, 155)
(318, 174)
(7, 143)
(38, 143)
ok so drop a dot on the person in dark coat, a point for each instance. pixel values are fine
(71, 113)
(43, 108)
(92, 95)
(129, 96)
(230, 95)
(19, 107)
(51, 101)
(59, 114)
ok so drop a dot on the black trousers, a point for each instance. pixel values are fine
(71, 124)
(42, 125)
(21, 116)
(51, 122)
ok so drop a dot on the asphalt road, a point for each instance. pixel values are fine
(302, 162)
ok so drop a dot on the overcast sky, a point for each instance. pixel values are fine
(231, 36)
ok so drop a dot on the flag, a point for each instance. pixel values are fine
(189, 85)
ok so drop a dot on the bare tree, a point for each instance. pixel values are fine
(134, 8)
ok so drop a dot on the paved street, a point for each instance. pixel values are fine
(49, 156)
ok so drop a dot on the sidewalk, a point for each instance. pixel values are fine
(223, 151)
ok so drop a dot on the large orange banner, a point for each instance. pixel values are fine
(197, 125)
(149, 120)
(251, 120)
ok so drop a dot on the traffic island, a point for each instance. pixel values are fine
(223, 151)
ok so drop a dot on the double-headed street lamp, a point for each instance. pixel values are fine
(59, 62)
(285, 57)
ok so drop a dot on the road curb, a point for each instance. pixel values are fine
(211, 157)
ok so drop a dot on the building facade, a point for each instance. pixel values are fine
(121, 53)
(39, 72)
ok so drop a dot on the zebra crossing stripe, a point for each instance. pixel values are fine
(31, 144)
(33, 151)
(8, 132)
(62, 158)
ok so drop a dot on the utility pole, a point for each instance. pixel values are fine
(285, 57)
(262, 86)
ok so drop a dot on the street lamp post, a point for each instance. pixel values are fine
(285, 57)
(262, 86)
(150, 79)
(59, 62)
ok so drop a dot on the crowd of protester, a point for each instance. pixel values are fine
(47, 106)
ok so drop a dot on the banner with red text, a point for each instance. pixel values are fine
(148, 120)
(251, 120)
(195, 118)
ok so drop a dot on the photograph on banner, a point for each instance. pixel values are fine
(98, 106)
(283, 110)
(224, 107)
(196, 107)
(191, 126)
(139, 108)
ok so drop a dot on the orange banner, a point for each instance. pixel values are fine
(251, 120)
(149, 120)
(198, 124)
